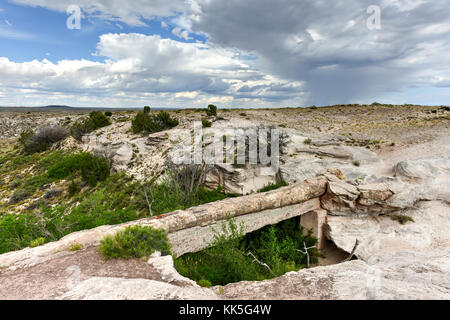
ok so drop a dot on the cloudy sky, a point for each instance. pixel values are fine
(234, 53)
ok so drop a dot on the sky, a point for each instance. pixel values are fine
(234, 53)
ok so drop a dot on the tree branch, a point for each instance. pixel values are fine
(353, 251)
(259, 262)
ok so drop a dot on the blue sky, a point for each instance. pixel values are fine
(40, 33)
(257, 53)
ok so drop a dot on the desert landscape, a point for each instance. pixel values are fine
(374, 179)
(222, 159)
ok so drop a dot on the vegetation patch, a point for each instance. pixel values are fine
(75, 247)
(96, 120)
(206, 123)
(274, 186)
(36, 243)
(402, 219)
(150, 123)
(42, 139)
(91, 168)
(211, 111)
(135, 242)
(115, 200)
(264, 254)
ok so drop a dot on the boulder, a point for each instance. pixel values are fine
(423, 169)
(401, 275)
(383, 234)
(102, 288)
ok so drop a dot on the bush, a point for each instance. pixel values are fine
(92, 169)
(204, 283)
(229, 259)
(19, 196)
(82, 127)
(115, 200)
(274, 186)
(36, 243)
(52, 194)
(74, 188)
(211, 111)
(135, 242)
(206, 123)
(143, 122)
(402, 219)
(25, 136)
(99, 119)
(43, 139)
(146, 109)
(95, 121)
(75, 247)
(108, 113)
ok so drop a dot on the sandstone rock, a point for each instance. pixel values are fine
(382, 234)
(423, 169)
(157, 138)
(239, 181)
(98, 288)
(343, 198)
(340, 197)
(165, 267)
(393, 276)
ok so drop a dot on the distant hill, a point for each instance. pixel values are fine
(63, 108)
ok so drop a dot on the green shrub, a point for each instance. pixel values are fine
(25, 136)
(19, 196)
(146, 109)
(135, 242)
(74, 188)
(82, 127)
(49, 160)
(211, 111)
(204, 283)
(36, 243)
(307, 141)
(115, 200)
(91, 168)
(108, 114)
(75, 247)
(42, 139)
(99, 119)
(206, 123)
(206, 196)
(231, 255)
(274, 186)
(144, 122)
(96, 120)
(402, 219)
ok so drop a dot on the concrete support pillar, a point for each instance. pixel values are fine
(315, 221)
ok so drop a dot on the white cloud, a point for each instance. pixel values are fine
(8, 23)
(183, 34)
(130, 12)
(350, 62)
(164, 71)
(323, 47)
